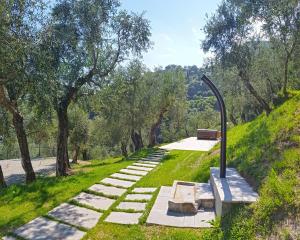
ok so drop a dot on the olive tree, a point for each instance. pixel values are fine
(87, 39)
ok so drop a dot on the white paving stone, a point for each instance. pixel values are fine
(75, 215)
(144, 165)
(139, 168)
(107, 190)
(45, 229)
(134, 172)
(123, 218)
(125, 176)
(117, 182)
(144, 190)
(148, 162)
(137, 206)
(160, 215)
(138, 197)
(94, 201)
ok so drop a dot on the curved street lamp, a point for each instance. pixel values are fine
(223, 125)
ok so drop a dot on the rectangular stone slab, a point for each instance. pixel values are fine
(144, 190)
(44, 229)
(138, 197)
(144, 165)
(117, 182)
(149, 162)
(134, 172)
(125, 176)
(139, 168)
(78, 216)
(107, 190)
(94, 201)
(137, 206)
(123, 218)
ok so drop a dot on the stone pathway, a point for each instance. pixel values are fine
(69, 221)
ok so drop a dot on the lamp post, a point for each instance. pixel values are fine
(223, 125)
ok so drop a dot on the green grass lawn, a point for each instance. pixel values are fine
(266, 151)
(19, 203)
(178, 165)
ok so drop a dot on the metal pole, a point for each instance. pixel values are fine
(223, 125)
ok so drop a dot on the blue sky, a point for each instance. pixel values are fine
(176, 29)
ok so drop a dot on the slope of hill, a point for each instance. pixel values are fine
(266, 152)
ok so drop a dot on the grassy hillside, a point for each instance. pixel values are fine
(267, 153)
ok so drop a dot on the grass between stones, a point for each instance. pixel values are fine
(19, 204)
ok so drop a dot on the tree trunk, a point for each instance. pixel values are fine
(75, 154)
(124, 149)
(233, 119)
(154, 127)
(254, 93)
(62, 157)
(137, 140)
(85, 155)
(2, 180)
(23, 145)
(285, 77)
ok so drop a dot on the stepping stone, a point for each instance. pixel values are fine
(125, 176)
(151, 159)
(78, 216)
(149, 162)
(44, 229)
(144, 165)
(139, 168)
(144, 190)
(117, 182)
(107, 190)
(137, 206)
(123, 218)
(138, 197)
(94, 201)
(134, 172)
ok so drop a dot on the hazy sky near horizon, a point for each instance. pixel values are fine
(176, 27)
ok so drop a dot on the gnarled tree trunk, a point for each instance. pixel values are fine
(11, 107)
(124, 149)
(154, 127)
(75, 154)
(137, 140)
(254, 93)
(2, 180)
(62, 158)
(23, 145)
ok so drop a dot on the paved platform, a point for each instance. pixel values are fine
(123, 218)
(159, 214)
(191, 143)
(94, 201)
(134, 172)
(136, 206)
(78, 216)
(108, 190)
(117, 182)
(44, 229)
